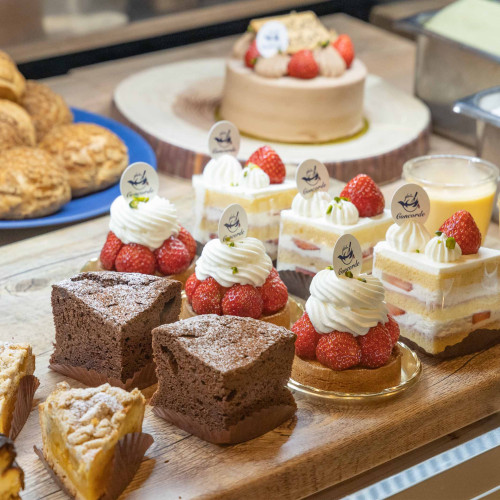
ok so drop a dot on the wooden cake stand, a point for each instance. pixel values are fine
(175, 105)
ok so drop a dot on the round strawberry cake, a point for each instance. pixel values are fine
(312, 92)
(238, 279)
(145, 237)
(346, 341)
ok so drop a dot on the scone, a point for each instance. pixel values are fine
(12, 83)
(80, 428)
(46, 108)
(32, 184)
(11, 475)
(16, 361)
(17, 117)
(93, 156)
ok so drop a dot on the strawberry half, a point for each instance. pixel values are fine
(242, 300)
(365, 195)
(268, 160)
(307, 338)
(135, 258)
(345, 48)
(172, 257)
(376, 346)
(338, 351)
(303, 65)
(462, 226)
(110, 250)
(251, 55)
(274, 294)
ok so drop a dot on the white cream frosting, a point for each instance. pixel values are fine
(314, 206)
(254, 177)
(222, 171)
(342, 213)
(437, 250)
(150, 224)
(410, 236)
(272, 67)
(345, 304)
(246, 262)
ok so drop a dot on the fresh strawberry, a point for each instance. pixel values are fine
(338, 351)
(190, 243)
(462, 226)
(303, 65)
(268, 160)
(393, 328)
(274, 294)
(345, 48)
(376, 346)
(273, 274)
(207, 298)
(304, 245)
(110, 251)
(242, 300)
(135, 258)
(481, 316)
(365, 194)
(307, 338)
(190, 286)
(251, 55)
(397, 282)
(172, 257)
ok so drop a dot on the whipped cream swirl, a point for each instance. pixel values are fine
(330, 62)
(314, 206)
(246, 262)
(150, 224)
(346, 304)
(342, 212)
(222, 171)
(410, 236)
(443, 249)
(254, 177)
(272, 67)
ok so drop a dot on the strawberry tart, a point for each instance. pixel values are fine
(260, 188)
(290, 79)
(145, 237)
(346, 341)
(237, 278)
(313, 225)
(443, 291)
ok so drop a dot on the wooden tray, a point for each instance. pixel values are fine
(175, 105)
(323, 445)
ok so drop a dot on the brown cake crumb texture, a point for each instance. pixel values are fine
(217, 371)
(103, 320)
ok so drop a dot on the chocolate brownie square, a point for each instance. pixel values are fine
(223, 378)
(104, 320)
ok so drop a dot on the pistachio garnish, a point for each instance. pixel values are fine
(134, 203)
(438, 233)
(349, 274)
(329, 209)
(235, 270)
(450, 243)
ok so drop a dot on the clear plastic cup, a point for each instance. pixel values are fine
(455, 182)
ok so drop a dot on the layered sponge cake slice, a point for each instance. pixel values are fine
(446, 298)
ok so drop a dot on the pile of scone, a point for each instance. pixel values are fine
(45, 159)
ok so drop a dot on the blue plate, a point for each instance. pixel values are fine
(96, 203)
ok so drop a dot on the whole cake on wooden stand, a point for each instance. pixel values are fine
(290, 79)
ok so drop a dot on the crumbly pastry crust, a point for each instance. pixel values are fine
(80, 428)
(46, 108)
(93, 156)
(354, 380)
(12, 82)
(31, 184)
(17, 117)
(16, 361)
(11, 475)
(280, 318)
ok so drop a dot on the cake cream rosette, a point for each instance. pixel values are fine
(145, 235)
(235, 276)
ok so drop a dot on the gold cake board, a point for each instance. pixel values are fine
(173, 107)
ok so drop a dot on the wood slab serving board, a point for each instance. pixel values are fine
(323, 445)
